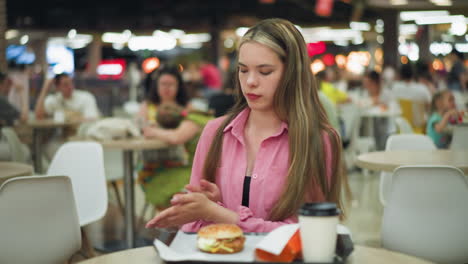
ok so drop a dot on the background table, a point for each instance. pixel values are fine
(390, 160)
(360, 255)
(13, 169)
(128, 146)
(38, 126)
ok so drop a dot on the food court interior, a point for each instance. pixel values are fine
(392, 76)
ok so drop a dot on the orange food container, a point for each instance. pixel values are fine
(292, 251)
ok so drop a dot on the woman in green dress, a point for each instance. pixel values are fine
(162, 179)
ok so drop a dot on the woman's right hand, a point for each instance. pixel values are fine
(209, 189)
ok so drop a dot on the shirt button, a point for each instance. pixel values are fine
(254, 176)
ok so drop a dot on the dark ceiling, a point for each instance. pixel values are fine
(147, 15)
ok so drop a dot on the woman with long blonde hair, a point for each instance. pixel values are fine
(274, 151)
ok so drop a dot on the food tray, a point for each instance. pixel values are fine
(344, 247)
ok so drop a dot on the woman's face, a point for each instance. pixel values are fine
(260, 72)
(167, 88)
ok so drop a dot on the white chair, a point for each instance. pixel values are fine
(402, 142)
(13, 149)
(426, 215)
(460, 138)
(114, 171)
(83, 162)
(351, 116)
(38, 220)
(404, 127)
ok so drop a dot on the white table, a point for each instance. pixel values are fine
(38, 126)
(390, 160)
(360, 255)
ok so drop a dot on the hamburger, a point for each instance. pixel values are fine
(220, 239)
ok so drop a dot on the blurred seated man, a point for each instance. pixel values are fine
(382, 98)
(376, 93)
(8, 112)
(75, 104)
(408, 89)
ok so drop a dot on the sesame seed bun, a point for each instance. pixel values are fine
(220, 239)
(220, 231)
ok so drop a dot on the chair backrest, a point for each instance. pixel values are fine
(38, 220)
(427, 213)
(83, 162)
(16, 149)
(409, 142)
(401, 142)
(112, 163)
(460, 138)
(404, 127)
(414, 112)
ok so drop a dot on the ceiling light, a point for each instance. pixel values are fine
(442, 2)
(72, 33)
(413, 15)
(112, 37)
(24, 39)
(431, 20)
(12, 33)
(462, 47)
(408, 29)
(399, 2)
(241, 31)
(362, 26)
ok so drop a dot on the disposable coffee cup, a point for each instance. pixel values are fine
(317, 225)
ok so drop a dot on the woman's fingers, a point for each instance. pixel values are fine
(193, 188)
(160, 217)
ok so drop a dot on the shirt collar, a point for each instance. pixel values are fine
(237, 125)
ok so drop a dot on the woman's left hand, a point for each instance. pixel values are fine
(185, 208)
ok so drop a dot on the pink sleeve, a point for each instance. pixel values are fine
(247, 222)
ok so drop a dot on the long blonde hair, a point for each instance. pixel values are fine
(297, 103)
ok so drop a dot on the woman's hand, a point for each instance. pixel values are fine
(209, 189)
(185, 208)
(192, 207)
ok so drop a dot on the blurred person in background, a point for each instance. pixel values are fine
(75, 104)
(457, 76)
(407, 88)
(222, 102)
(443, 113)
(382, 98)
(424, 77)
(378, 95)
(333, 93)
(161, 179)
(212, 79)
(9, 112)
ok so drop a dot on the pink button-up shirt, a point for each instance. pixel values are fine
(268, 175)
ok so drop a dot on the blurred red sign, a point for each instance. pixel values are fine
(316, 48)
(324, 7)
(111, 69)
